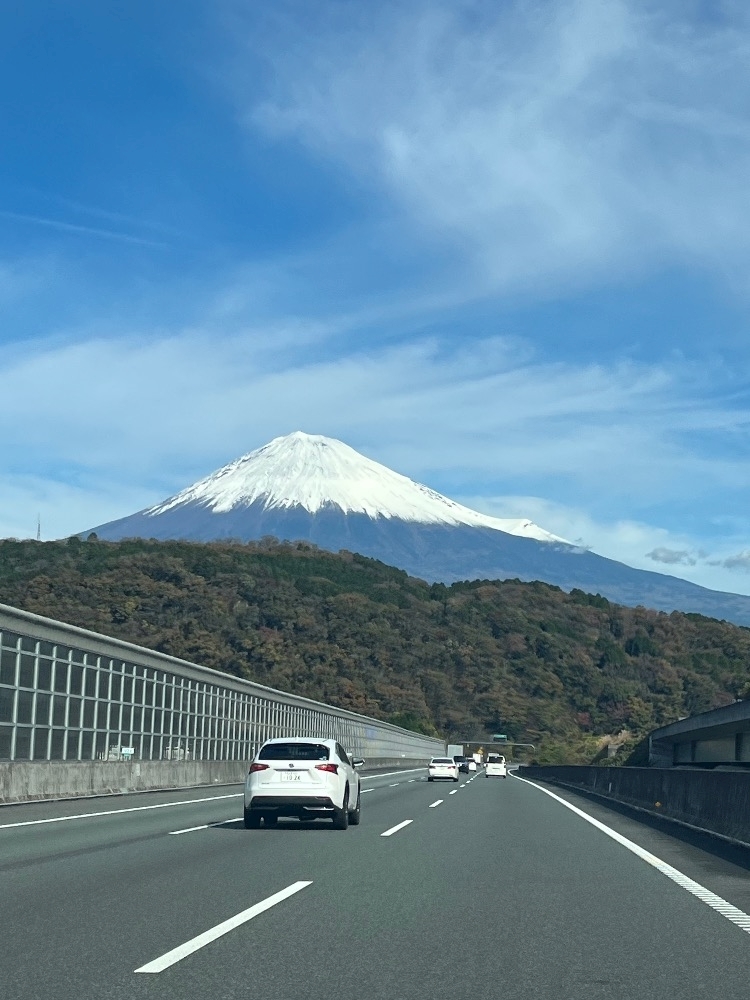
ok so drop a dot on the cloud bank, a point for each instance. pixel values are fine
(553, 144)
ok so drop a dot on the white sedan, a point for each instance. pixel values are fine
(442, 767)
(305, 778)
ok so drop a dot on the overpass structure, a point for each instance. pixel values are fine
(717, 737)
(83, 713)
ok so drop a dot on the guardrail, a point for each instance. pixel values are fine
(69, 696)
(716, 802)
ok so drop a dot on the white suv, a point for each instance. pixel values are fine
(306, 778)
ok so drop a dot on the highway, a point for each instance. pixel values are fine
(489, 888)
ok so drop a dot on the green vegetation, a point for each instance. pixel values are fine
(562, 671)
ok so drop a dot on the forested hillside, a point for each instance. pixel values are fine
(558, 670)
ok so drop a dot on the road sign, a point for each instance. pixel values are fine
(500, 738)
(127, 751)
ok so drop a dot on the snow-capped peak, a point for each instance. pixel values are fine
(315, 472)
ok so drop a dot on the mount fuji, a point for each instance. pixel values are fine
(313, 488)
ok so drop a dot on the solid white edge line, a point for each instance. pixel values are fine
(395, 829)
(726, 909)
(194, 944)
(118, 812)
(435, 804)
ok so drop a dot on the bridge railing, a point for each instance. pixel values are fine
(68, 694)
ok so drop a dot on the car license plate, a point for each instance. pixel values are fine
(291, 776)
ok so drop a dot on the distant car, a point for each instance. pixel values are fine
(471, 765)
(461, 761)
(304, 778)
(463, 766)
(495, 767)
(442, 767)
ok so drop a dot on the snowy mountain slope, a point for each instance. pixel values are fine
(314, 489)
(315, 472)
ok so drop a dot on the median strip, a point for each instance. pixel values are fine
(196, 943)
(395, 829)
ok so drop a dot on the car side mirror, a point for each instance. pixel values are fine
(358, 762)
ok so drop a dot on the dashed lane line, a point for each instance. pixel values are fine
(434, 805)
(396, 828)
(205, 826)
(453, 792)
(391, 774)
(732, 913)
(196, 943)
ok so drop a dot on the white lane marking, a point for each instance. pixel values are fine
(395, 784)
(206, 826)
(366, 790)
(194, 944)
(391, 774)
(117, 812)
(411, 780)
(395, 829)
(436, 804)
(453, 792)
(737, 916)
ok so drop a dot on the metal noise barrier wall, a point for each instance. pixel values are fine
(715, 801)
(85, 714)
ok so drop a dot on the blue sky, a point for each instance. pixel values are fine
(502, 247)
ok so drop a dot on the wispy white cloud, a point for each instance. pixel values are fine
(551, 143)
(159, 412)
(71, 227)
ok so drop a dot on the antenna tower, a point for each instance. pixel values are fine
(38, 527)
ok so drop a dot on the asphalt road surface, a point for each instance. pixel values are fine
(486, 889)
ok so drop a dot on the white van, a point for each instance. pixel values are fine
(495, 767)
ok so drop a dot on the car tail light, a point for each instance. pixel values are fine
(332, 768)
(257, 767)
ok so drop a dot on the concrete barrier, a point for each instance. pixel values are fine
(28, 781)
(716, 802)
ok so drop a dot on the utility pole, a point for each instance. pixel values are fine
(39, 527)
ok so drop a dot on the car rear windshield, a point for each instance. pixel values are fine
(294, 751)
(442, 760)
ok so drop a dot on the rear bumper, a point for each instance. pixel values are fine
(292, 805)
